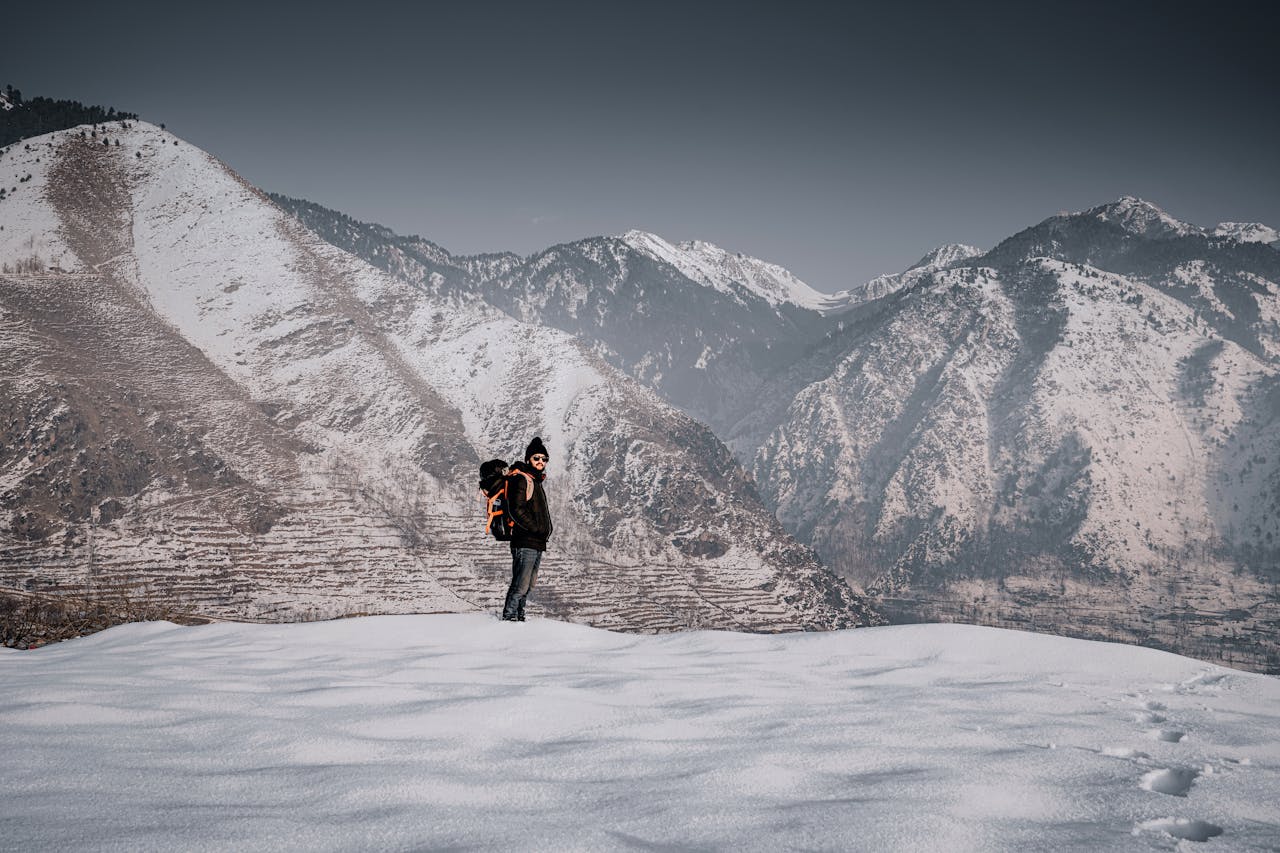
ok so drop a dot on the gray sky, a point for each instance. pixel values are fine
(840, 143)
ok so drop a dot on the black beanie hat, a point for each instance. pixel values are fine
(536, 446)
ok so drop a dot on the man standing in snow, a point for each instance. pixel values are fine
(527, 505)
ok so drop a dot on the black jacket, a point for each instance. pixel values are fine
(529, 511)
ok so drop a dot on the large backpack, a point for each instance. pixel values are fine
(493, 490)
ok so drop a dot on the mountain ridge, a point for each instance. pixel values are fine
(324, 422)
(999, 428)
(990, 436)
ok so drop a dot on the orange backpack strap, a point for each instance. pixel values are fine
(494, 513)
(528, 485)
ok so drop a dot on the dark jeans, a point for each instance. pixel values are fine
(524, 574)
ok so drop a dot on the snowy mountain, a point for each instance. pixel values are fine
(1227, 283)
(706, 343)
(683, 321)
(1074, 430)
(205, 402)
(883, 285)
(737, 275)
(420, 732)
(1142, 219)
(426, 265)
(1248, 232)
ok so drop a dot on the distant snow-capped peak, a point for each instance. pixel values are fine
(940, 258)
(1142, 218)
(1247, 232)
(946, 255)
(5, 103)
(712, 266)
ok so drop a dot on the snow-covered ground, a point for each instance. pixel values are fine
(461, 732)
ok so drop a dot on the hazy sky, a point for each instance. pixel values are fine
(838, 142)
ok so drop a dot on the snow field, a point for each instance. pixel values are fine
(417, 732)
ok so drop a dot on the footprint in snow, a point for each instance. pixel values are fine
(1167, 735)
(1149, 712)
(1150, 715)
(1182, 828)
(1174, 781)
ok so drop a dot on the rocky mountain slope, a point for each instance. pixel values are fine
(702, 327)
(208, 404)
(1074, 431)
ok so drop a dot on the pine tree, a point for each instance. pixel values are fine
(44, 115)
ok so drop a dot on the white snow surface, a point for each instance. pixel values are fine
(459, 731)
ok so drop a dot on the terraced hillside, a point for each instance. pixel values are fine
(202, 400)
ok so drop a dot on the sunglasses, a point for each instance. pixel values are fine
(539, 458)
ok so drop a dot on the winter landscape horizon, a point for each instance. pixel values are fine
(907, 389)
(1071, 431)
(227, 488)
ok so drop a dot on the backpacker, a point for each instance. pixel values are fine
(493, 490)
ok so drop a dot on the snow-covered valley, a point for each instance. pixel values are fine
(461, 732)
